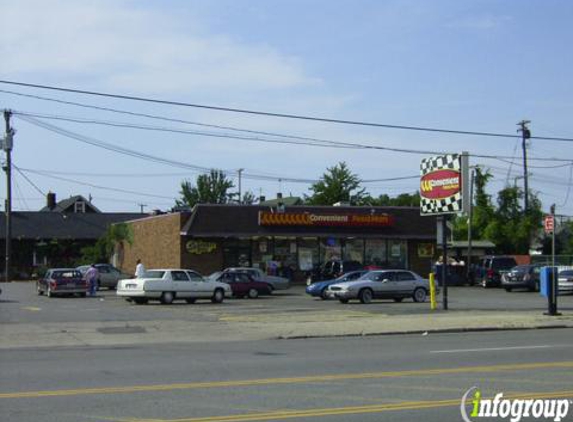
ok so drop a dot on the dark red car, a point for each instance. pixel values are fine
(243, 285)
(62, 281)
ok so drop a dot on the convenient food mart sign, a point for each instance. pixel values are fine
(267, 218)
(444, 185)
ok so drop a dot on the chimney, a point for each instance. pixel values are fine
(51, 200)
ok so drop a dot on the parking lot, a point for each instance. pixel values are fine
(19, 303)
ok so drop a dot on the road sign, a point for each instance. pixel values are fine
(549, 223)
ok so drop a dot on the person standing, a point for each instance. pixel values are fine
(139, 269)
(92, 276)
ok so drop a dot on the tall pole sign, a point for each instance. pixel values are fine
(444, 186)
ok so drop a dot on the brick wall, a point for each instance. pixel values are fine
(156, 241)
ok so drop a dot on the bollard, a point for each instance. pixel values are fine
(432, 292)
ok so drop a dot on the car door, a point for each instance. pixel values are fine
(405, 283)
(105, 276)
(182, 284)
(200, 286)
(230, 279)
(384, 284)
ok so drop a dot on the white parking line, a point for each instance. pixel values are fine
(493, 349)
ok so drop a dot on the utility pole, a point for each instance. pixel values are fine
(469, 275)
(7, 147)
(141, 206)
(525, 135)
(240, 171)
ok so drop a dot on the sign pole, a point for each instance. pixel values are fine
(445, 262)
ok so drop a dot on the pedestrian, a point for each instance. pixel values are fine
(92, 276)
(139, 269)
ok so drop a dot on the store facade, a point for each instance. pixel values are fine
(287, 241)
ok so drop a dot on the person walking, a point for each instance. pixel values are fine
(139, 269)
(92, 276)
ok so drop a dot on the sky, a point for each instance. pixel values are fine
(473, 65)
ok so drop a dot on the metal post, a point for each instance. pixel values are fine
(445, 261)
(554, 272)
(8, 169)
(469, 276)
(240, 171)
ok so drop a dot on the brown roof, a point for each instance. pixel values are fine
(209, 220)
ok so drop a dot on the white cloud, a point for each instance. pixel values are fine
(481, 23)
(120, 46)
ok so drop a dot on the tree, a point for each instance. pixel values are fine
(338, 184)
(402, 200)
(210, 188)
(114, 236)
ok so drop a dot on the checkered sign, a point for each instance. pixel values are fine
(441, 184)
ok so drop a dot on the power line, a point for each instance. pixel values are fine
(271, 114)
(29, 117)
(28, 180)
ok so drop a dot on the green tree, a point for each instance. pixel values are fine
(338, 184)
(402, 200)
(105, 246)
(212, 188)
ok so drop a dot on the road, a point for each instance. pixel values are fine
(394, 378)
(380, 378)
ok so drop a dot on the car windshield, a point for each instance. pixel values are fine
(154, 274)
(503, 263)
(521, 268)
(566, 273)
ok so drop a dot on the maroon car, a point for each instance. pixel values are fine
(243, 285)
(62, 281)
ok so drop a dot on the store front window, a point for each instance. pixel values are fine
(375, 252)
(330, 249)
(354, 250)
(397, 254)
(237, 253)
(261, 252)
(285, 255)
(307, 253)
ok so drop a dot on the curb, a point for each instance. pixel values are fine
(427, 332)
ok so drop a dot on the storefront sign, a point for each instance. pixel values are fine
(443, 184)
(199, 247)
(267, 218)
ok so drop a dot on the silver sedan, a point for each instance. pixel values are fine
(382, 284)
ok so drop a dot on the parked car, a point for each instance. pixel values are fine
(167, 285)
(522, 276)
(332, 269)
(62, 281)
(244, 285)
(277, 283)
(108, 275)
(492, 267)
(565, 281)
(319, 289)
(382, 284)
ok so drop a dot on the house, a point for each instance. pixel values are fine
(55, 235)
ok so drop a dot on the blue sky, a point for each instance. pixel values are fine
(462, 65)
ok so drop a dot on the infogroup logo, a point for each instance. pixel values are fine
(514, 409)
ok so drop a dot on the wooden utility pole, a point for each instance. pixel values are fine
(7, 147)
(525, 135)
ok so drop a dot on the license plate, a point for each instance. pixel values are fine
(71, 285)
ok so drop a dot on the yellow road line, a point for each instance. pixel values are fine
(376, 408)
(278, 381)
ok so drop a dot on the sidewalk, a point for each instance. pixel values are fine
(337, 323)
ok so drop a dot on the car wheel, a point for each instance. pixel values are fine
(218, 296)
(190, 300)
(398, 299)
(343, 300)
(167, 298)
(365, 296)
(271, 289)
(324, 294)
(81, 294)
(508, 289)
(39, 290)
(484, 284)
(140, 300)
(419, 295)
(49, 292)
(253, 293)
(536, 286)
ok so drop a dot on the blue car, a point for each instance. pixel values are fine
(319, 288)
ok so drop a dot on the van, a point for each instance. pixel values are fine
(492, 267)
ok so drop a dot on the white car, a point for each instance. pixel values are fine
(382, 284)
(277, 283)
(167, 285)
(565, 280)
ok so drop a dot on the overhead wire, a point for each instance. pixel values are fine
(269, 114)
